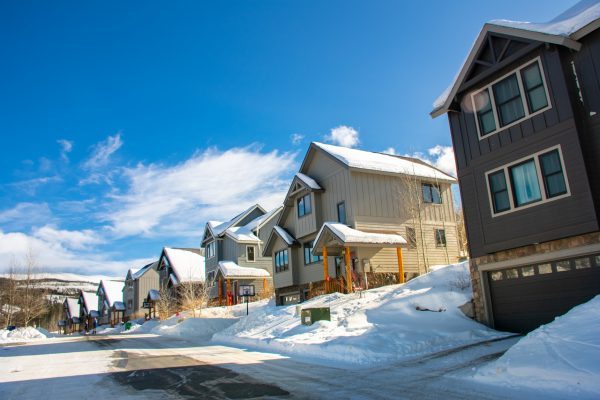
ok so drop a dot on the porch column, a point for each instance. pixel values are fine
(325, 270)
(265, 287)
(220, 290)
(228, 291)
(348, 271)
(400, 265)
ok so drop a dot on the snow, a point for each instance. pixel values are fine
(384, 162)
(72, 307)
(195, 328)
(154, 294)
(187, 265)
(349, 235)
(289, 239)
(560, 357)
(23, 334)
(66, 277)
(113, 291)
(377, 326)
(229, 269)
(90, 301)
(242, 234)
(119, 306)
(140, 272)
(257, 222)
(308, 181)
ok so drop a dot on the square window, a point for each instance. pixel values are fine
(562, 266)
(508, 100)
(544, 269)
(527, 271)
(496, 275)
(525, 185)
(512, 273)
(431, 193)
(582, 263)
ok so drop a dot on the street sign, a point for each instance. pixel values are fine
(146, 304)
(246, 291)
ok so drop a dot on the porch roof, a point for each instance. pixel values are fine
(229, 269)
(334, 235)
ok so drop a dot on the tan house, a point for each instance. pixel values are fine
(138, 283)
(377, 218)
(180, 266)
(234, 256)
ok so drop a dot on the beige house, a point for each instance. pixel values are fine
(137, 285)
(390, 218)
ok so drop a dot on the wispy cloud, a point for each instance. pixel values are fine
(24, 214)
(441, 157)
(70, 239)
(102, 151)
(30, 186)
(65, 148)
(296, 138)
(211, 184)
(343, 136)
(390, 150)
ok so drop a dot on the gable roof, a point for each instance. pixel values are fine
(72, 307)
(90, 301)
(283, 234)
(142, 271)
(381, 162)
(218, 228)
(113, 291)
(308, 181)
(187, 264)
(229, 269)
(339, 235)
(565, 30)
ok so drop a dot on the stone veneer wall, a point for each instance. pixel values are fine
(515, 254)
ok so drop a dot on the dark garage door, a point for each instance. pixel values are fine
(526, 297)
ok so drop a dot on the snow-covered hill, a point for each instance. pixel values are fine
(66, 283)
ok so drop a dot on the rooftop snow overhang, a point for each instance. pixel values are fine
(230, 270)
(335, 237)
(443, 103)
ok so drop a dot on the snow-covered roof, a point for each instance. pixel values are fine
(72, 307)
(119, 306)
(90, 301)
(346, 236)
(242, 234)
(113, 291)
(287, 238)
(361, 159)
(565, 29)
(308, 181)
(218, 228)
(140, 272)
(256, 223)
(229, 269)
(187, 264)
(153, 295)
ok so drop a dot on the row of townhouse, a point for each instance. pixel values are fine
(524, 113)
(350, 217)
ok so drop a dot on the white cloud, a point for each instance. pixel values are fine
(65, 148)
(343, 136)
(296, 138)
(390, 150)
(25, 214)
(441, 157)
(210, 185)
(102, 151)
(30, 186)
(51, 256)
(68, 239)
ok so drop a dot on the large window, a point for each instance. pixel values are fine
(341, 212)
(309, 258)
(440, 238)
(304, 206)
(517, 95)
(532, 180)
(250, 256)
(431, 193)
(210, 250)
(282, 262)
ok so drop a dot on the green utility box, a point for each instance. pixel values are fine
(127, 325)
(311, 315)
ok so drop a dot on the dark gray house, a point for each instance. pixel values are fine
(524, 113)
(137, 285)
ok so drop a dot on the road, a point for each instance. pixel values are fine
(158, 367)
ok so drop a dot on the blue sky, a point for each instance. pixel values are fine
(127, 125)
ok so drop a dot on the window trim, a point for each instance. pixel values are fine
(523, 93)
(254, 253)
(435, 233)
(312, 246)
(431, 186)
(506, 169)
(345, 213)
(214, 251)
(283, 267)
(301, 198)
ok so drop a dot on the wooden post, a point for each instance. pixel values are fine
(325, 270)
(265, 285)
(220, 290)
(227, 292)
(348, 271)
(400, 265)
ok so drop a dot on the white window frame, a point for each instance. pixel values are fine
(505, 168)
(523, 94)
(212, 244)
(248, 258)
(435, 234)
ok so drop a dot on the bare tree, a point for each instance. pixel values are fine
(461, 231)
(166, 303)
(32, 300)
(195, 295)
(9, 297)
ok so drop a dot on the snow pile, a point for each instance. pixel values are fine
(560, 357)
(23, 334)
(187, 264)
(192, 328)
(349, 235)
(231, 269)
(383, 325)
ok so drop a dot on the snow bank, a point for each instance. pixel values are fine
(383, 325)
(561, 357)
(193, 328)
(23, 334)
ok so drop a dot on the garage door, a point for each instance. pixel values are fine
(526, 297)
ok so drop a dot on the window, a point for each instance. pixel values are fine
(544, 269)
(554, 180)
(341, 212)
(304, 206)
(308, 256)
(282, 262)
(535, 179)
(499, 191)
(496, 275)
(527, 271)
(525, 185)
(210, 250)
(562, 266)
(431, 193)
(440, 238)
(512, 273)
(250, 253)
(506, 101)
(411, 237)
(582, 263)
(211, 278)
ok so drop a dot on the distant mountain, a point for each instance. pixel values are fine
(67, 284)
